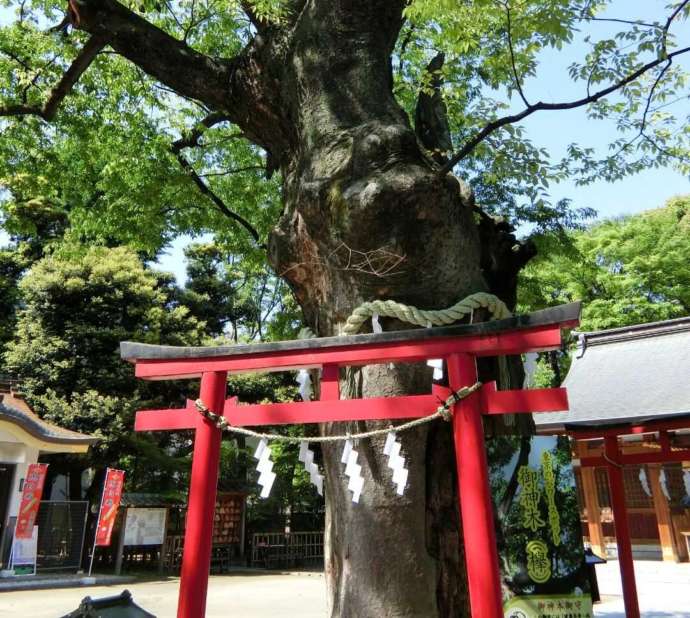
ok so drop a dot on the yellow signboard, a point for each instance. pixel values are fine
(549, 606)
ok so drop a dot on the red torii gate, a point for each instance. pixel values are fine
(457, 345)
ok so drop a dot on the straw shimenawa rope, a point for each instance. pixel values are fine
(426, 317)
(406, 313)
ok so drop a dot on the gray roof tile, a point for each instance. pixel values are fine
(627, 374)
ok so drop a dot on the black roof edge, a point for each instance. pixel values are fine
(568, 314)
(634, 331)
(644, 420)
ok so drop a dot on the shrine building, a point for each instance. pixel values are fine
(631, 386)
(24, 437)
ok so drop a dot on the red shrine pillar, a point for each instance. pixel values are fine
(620, 520)
(474, 493)
(196, 557)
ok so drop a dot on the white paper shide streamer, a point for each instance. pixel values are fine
(396, 462)
(352, 470)
(437, 364)
(645, 482)
(304, 381)
(375, 324)
(306, 456)
(663, 485)
(265, 468)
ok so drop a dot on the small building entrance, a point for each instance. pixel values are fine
(6, 480)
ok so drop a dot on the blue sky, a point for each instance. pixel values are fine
(554, 130)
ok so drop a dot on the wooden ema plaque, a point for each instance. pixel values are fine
(227, 520)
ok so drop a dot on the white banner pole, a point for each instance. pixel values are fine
(98, 521)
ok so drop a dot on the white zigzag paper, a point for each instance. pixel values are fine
(353, 470)
(265, 468)
(396, 462)
(437, 364)
(304, 381)
(375, 324)
(663, 485)
(306, 456)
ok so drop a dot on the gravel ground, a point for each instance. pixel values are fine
(663, 588)
(244, 596)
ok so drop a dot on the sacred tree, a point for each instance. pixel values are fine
(145, 119)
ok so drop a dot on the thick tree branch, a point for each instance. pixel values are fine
(162, 56)
(494, 125)
(431, 115)
(191, 139)
(81, 63)
(403, 48)
(243, 87)
(258, 22)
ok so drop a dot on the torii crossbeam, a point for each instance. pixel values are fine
(457, 345)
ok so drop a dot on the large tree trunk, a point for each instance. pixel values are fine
(367, 216)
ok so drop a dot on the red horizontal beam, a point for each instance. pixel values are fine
(389, 408)
(527, 400)
(638, 459)
(167, 420)
(380, 408)
(512, 342)
(641, 428)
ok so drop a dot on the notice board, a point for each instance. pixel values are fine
(145, 526)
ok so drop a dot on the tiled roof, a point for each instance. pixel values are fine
(627, 374)
(15, 410)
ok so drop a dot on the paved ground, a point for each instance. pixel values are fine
(664, 590)
(245, 596)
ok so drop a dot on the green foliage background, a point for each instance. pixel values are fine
(92, 196)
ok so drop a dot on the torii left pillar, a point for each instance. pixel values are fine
(201, 504)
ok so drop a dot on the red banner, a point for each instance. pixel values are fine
(31, 500)
(110, 502)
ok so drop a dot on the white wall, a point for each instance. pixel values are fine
(14, 452)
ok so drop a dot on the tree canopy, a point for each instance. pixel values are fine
(119, 139)
(628, 270)
(74, 306)
(236, 298)
(75, 310)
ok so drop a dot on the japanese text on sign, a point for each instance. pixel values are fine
(31, 500)
(110, 502)
(550, 606)
(550, 489)
(529, 498)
